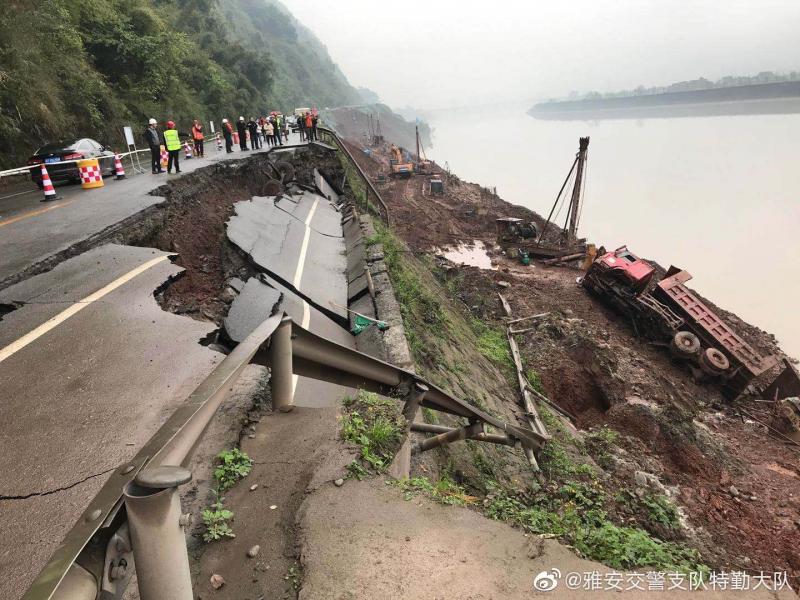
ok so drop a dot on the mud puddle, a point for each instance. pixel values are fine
(471, 255)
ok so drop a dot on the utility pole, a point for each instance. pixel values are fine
(575, 201)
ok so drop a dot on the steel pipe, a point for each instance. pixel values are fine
(470, 431)
(281, 377)
(159, 542)
(491, 438)
(318, 349)
(401, 465)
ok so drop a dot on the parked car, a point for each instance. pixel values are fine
(54, 156)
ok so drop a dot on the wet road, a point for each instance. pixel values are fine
(91, 366)
(32, 230)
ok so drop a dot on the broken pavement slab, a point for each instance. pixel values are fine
(255, 303)
(292, 250)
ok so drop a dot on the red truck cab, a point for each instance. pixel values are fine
(627, 268)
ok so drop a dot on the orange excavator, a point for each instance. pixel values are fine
(398, 166)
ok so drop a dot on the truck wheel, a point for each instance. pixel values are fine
(685, 344)
(714, 362)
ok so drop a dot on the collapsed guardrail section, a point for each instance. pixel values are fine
(136, 521)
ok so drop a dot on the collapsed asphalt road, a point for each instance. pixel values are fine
(91, 365)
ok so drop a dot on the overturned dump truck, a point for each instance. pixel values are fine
(666, 311)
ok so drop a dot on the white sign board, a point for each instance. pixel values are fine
(128, 136)
(212, 126)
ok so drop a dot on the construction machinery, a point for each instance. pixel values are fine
(516, 237)
(423, 165)
(668, 313)
(399, 166)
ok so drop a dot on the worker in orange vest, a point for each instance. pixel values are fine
(197, 137)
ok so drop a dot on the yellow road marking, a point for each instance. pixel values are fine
(33, 213)
(54, 322)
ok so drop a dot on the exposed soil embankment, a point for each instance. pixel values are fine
(654, 451)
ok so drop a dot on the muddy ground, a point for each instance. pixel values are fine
(737, 485)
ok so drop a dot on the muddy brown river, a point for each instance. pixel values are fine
(718, 196)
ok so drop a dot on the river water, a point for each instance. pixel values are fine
(718, 196)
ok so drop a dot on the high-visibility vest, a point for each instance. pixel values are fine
(171, 139)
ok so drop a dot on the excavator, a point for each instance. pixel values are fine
(398, 166)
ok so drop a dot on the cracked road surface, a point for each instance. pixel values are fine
(86, 394)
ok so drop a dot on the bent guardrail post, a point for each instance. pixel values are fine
(157, 532)
(282, 376)
(401, 465)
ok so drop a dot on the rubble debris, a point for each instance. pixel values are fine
(217, 581)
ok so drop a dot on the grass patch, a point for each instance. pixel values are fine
(535, 381)
(422, 312)
(493, 344)
(373, 424)
(575, 514)
(445, 491)
(429, 416)
(556, 462)
(656, 508)
(233, 466)
(600, 443)
(217, 519)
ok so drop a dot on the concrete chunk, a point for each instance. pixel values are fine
(252, 306)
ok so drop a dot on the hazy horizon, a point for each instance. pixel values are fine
(434, 55)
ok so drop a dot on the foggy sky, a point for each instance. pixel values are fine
(441, 53)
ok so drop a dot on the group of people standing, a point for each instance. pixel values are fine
(272, 130)
(307, 126)
(172, 143)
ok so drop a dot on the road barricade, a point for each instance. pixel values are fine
(91, 175)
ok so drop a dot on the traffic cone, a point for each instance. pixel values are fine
(164, 157)
(188, 150)
(219, 143)
(119, 171)
(47, 185)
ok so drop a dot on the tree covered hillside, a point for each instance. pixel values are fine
(88, 67)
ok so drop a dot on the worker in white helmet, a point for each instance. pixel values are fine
(153, 140)
(227, 132)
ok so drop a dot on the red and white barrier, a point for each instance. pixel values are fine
(119, 171)
(47, 185)
(91, 174)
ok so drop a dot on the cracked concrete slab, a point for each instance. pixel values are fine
(284, 246)
(256, 303)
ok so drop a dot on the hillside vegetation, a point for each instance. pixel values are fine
(88, 67)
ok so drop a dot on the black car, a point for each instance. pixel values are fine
(54, 157)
